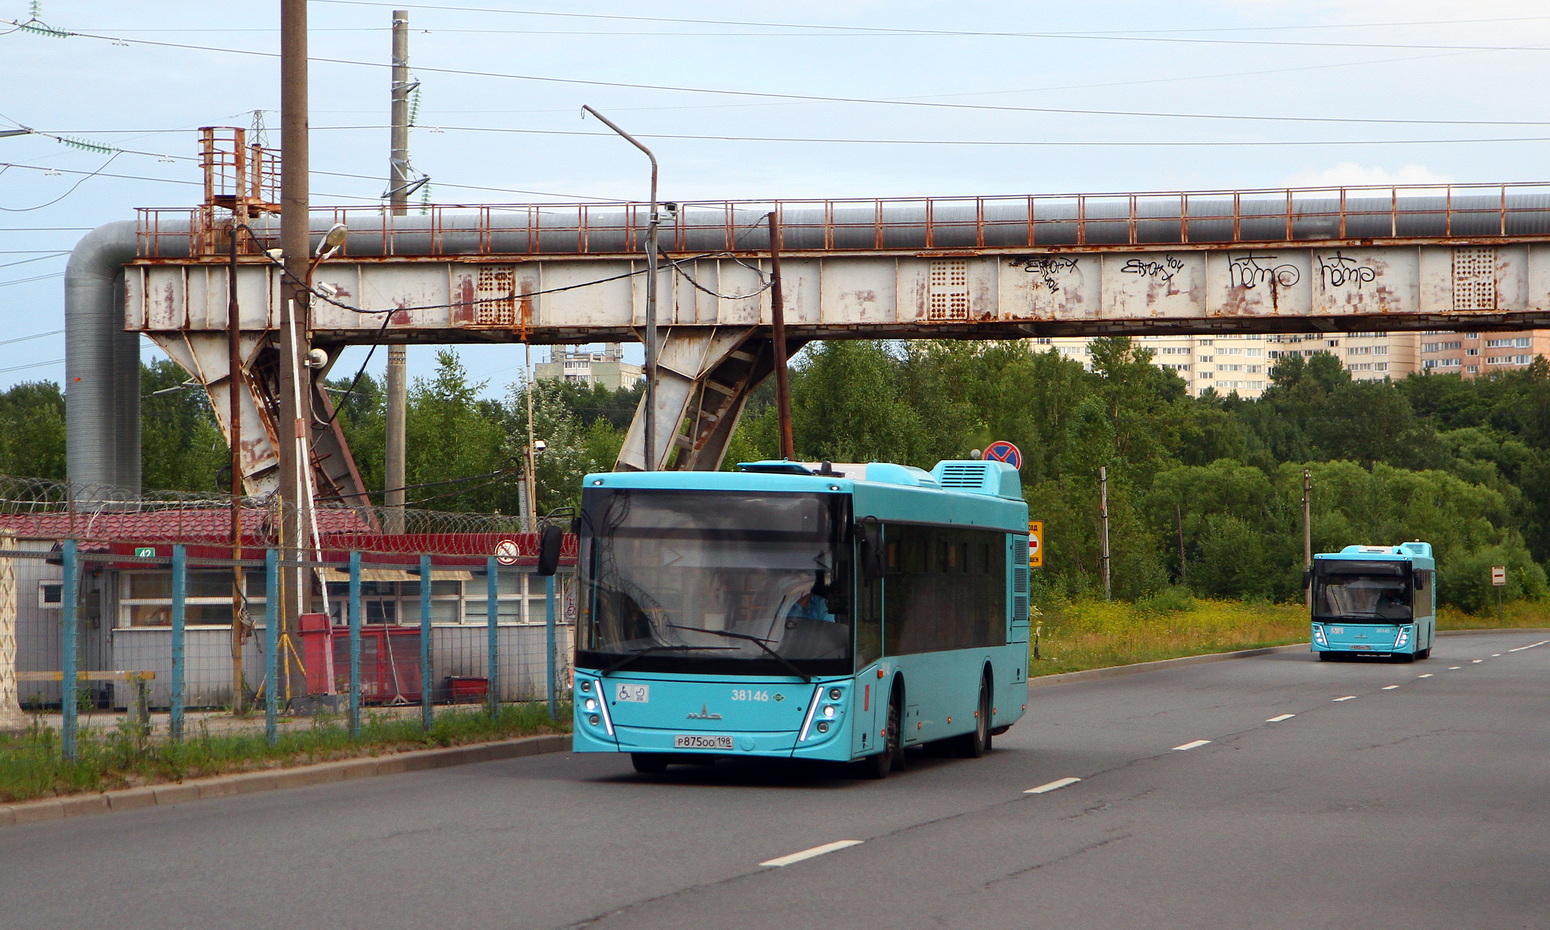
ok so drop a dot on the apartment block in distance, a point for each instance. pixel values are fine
(608, 367)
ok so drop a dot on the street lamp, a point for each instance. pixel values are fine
(651, 294)
(14, 132)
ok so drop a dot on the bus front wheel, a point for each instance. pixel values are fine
(891, 759)
(648, 763)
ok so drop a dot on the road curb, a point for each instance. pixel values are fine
(1046, 681)
(219, 786)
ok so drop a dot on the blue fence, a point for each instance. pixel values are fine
(139, 604)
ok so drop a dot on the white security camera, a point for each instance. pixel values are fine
(316, 358)
(539, 445)
(275, 255)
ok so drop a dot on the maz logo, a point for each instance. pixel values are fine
(704, 714)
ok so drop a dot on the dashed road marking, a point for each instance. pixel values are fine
(1052, 786)
(810, 853)
(1280, 718)
(1427, 675)
(1194, 745)
(1475, 661)
(1349, 697)
(1389, 687)
(1454, 668)
(1496, 655)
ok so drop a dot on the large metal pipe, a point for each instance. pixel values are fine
(102, 364)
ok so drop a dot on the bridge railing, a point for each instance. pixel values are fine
(1193, 218)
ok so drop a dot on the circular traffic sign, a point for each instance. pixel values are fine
(1003, 451)
(506, 552)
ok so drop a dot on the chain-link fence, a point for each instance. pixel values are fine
(146, 603)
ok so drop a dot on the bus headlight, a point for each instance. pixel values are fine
(823, 726)
(828, 711)
(591, 705)
(1318, 635)
(1403, 639)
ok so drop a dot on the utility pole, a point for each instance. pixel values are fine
(651, 298)
(778, 333)
(1103, 510)
(1307, 533)
(295, 423)
(398, 199)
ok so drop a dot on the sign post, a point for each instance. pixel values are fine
(1499, 579)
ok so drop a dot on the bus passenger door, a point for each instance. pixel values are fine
(870, 703)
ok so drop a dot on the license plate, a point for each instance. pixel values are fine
(701, 741)
(1361, 647)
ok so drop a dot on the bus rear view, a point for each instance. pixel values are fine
(1375, 600)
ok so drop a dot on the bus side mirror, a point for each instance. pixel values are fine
(1307, 579)
(549, 542)
(867, 537)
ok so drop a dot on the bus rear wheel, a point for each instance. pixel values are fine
(976, 742)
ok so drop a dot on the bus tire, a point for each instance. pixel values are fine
(976, 743)
(891, 759)
(1327, 657)
(1424, 653)
(648, 763)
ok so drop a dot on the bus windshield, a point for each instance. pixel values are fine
(1373, 592)
(714, 581)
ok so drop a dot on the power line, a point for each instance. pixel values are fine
(1162, 35)
(873, 101)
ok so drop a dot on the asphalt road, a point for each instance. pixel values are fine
(1273, 791)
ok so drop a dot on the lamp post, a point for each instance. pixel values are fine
(651, 295)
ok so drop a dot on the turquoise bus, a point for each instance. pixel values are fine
(1375, 600)
(831, 612)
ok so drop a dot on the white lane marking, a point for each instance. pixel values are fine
(1496, 655)
(1188, 746)
(1454, 668)
(1530, 646)
(810, 853)
(1427, 675)
(1349, 697)
(1475, 661)
(1052, 786)
(1280, 718)
(1389, 687)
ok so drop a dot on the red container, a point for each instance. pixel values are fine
(462, 690)
(390, 660)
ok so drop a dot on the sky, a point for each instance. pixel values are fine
(742, 100)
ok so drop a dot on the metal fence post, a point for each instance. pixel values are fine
(355, 644)
(68, 618)
(425, 642)
(179, 624)
(549, 638)
(492, 613)
(271, 645)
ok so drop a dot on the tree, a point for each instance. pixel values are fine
(181, 447)
(32, 431)
(457, 456)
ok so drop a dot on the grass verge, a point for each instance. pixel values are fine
(1083, 635)
(32, 764)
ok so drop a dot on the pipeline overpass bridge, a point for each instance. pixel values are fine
(1473, 257)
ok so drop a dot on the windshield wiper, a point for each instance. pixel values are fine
(632, 656)
(660, 647)
(756, 641)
